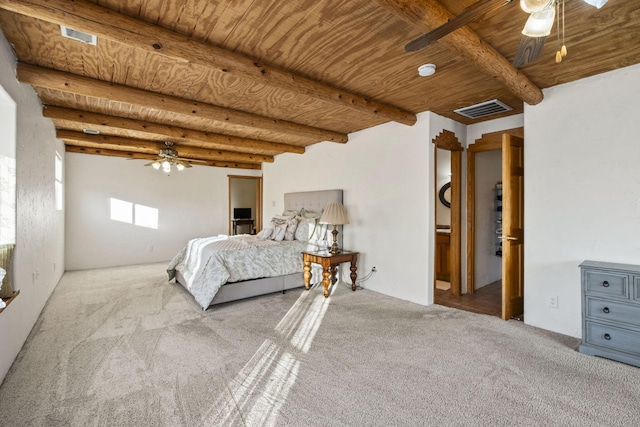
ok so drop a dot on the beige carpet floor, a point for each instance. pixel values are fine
(122, 347)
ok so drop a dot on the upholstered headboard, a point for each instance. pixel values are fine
(314, 201)
(311, 200)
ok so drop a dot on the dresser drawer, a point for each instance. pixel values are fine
(613, 311)
(618, 339)
(636, 286)
(606, 283)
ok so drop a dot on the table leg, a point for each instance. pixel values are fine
(354, 275)
(334, 271)
(307, 274)
(325, 280)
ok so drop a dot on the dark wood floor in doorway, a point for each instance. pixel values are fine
(486, 300)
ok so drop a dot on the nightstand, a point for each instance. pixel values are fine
(329, 263)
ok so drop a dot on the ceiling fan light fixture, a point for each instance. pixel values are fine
(539, 24)
(596, 3)
(535, 6)
(427, 70)
(156, 165)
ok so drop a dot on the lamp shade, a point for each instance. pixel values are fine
(335, 214)
(596, 3)
(534, 6)
(539, 24)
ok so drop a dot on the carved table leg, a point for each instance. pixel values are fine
(354, 274)
(334, 271)
(325, 280)
(307, 274)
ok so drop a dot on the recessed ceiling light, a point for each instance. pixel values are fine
(426, 70)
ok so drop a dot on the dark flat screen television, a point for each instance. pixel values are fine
(241, 213)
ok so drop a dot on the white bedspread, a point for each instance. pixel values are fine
(208, 263)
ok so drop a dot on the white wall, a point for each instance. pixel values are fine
(39, 227)
(488, 174)
(387, 180)
(191, 203)
(582, 190)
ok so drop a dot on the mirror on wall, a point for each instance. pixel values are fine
(443, 186)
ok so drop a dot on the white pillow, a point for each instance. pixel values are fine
(265, 233)
(292, 225)
(311, 214)
(306, 226)
(292, 213)
(278, 232)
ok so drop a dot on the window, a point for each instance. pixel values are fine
(7, 169)
(59, 198)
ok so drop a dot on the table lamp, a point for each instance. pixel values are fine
(334, 214)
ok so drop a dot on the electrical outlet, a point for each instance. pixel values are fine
(552, 301)
(374, 269)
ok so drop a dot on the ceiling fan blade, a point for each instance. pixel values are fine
(474, 12)
(528, 50)
(184, 159)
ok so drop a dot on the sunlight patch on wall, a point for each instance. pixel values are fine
(140, 215)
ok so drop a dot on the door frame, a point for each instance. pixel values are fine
(258, 220)
(447, 140)
(487, 142)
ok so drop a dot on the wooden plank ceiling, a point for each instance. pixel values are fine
(235, 83)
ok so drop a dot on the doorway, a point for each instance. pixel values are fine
(245, 204)
(495, 223)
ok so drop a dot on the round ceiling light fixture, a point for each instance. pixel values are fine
(426, 70)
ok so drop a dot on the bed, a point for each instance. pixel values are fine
(223, 268)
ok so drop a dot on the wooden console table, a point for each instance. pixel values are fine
(237, 222)
(329, 263)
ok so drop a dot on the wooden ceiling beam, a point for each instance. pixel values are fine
(93, 88)
(129, 144)
(109, 24)
(430, 14)
(142, 156)
(170, 133)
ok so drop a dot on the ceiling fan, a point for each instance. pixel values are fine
(536, 30)
(168, 157)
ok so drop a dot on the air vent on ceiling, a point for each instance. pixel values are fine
(483, 109)
(78, 35)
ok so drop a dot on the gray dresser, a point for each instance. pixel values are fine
(611, 311)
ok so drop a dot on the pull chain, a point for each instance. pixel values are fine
(562, 52)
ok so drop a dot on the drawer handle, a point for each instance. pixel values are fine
(605, 284)
(605, 310)
(607, 336)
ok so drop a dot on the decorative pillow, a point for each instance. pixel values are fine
(292, 225)
(306, 227)
(310, 214)
(278, 233)
(292, 213)
(282, 217)
(265, 233)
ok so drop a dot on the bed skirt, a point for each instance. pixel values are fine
(251, 288)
